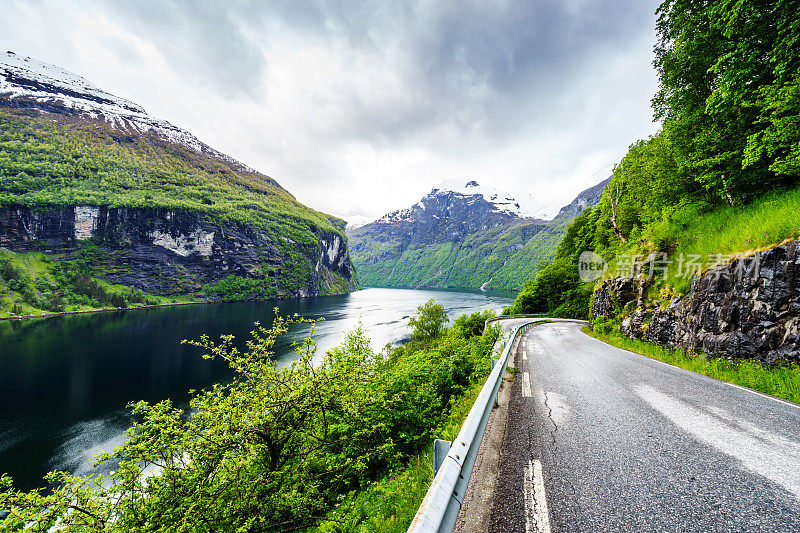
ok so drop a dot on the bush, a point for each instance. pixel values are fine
(273, 448)
(474, 324)
(235, 287)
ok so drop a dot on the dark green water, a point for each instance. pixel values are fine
(65, 381)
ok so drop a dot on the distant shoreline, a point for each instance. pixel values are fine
(105, 310)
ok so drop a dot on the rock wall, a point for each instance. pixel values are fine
(170, 252)
(747, 309)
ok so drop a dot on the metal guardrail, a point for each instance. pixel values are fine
(439, 509)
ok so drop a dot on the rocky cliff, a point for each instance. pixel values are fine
(747, 309)
(170, 214)
(169, 252)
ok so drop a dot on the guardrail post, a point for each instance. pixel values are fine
(440, 449)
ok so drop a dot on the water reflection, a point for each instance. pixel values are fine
(65, 381)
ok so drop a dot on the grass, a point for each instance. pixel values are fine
(719, 235)
(389, 504)
(781, 382)
(52, 160)
(765, 222)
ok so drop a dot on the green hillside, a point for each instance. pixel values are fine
(52, 160)
(55, 160)
(458, 243)
(720, 176)
(458, 264)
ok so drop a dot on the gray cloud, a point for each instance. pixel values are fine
(383, 98)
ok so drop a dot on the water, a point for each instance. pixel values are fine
(65, 381)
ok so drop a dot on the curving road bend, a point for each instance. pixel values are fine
(601, 439)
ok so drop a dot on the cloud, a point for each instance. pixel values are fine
(361, 107)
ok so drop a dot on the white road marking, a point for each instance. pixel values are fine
(526, 385)
(537, 518)
(525, 356)
(769, 455)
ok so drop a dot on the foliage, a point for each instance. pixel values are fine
(429, 322)
(32, 283)
(783, 382)
(61, 161)
(232, 288)
(274, 449)
(720, 176)
(55, 160)
(390, 504)
(474, 324)
(502, 256)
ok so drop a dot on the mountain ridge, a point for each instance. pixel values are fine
(460, 237)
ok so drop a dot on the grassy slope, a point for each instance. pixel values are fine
(39, 271)
(53, 160)
(782, 382)
(524, 264)
(722, 233)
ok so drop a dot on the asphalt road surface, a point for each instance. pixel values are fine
(601, 439)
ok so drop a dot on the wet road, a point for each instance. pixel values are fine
(601, 439)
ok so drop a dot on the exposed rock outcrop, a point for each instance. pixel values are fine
(747, 309)
(167, 252)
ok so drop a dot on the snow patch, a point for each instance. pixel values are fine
(502, 202)
(48, 86)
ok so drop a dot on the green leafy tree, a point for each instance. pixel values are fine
(474, 324)
(273, 449)
(430, 321)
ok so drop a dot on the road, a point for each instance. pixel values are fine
(601, 439)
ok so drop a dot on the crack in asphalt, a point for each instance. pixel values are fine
(550, 417)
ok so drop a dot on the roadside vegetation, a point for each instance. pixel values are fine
(721, 175)
(341, 445)
(782, 382)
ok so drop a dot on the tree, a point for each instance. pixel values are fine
(430, 321)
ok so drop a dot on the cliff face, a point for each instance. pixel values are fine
(748, 309)
(169, 214)
(169, 252)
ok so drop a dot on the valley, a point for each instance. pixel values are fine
(461, 235)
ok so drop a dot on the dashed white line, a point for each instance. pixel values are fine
(526, 385)
(537, 518)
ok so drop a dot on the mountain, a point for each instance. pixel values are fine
(461, 235)
(170, 215)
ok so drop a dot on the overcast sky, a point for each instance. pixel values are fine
(359, 108)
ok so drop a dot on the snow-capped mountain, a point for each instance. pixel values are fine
(461, 234)
(522, 207)
(28, 83)
(468, 195)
